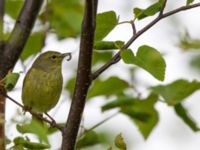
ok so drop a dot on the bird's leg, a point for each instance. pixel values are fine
(53, 122)
(26, 108)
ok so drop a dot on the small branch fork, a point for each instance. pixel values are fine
(84, 76)
(116, 58)
(11, 49)
(52, 122)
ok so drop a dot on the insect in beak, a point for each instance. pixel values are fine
(68, 55)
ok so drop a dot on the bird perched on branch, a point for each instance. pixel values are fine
(42, 84)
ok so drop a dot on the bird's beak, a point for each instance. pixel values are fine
(69, 55)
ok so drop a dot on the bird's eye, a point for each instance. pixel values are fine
(53, 57)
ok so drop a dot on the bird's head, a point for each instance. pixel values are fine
(50, 60)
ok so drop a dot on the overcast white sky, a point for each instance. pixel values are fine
(170, 133)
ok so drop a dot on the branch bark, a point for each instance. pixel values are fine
(2, 99)
(2, 4)
(83, 79)
(15, 44)
(161, 16)
(51, 122)
(10, 50)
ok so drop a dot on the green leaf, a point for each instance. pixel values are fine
(147, 58)
(137, 115)
(108, 45)
(153, 9)
(176, 91)
(18, 147)
(187, 43)
(138, 13)
(119, 142)
(11, 80)
(35, 127)
(189, 2)
(34, 45)
(105, 22)
(13, 7)
(143, 114)
(7, 141)
(90, 139)
(30, 145)
(119, 44)
(119, 102)
(195, 62)
(149, 11)
(101, 57)
(52, 130)
(183, 114)
(108, 87)
(65, 17)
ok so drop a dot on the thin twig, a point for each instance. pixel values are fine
(52, 122)
(117, 58)
(163, 7)
(133, 27)
(99, 123)
(129, 22)
(183, 8)
(14, 101)
(124, 22)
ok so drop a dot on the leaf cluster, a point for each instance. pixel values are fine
(63, 18)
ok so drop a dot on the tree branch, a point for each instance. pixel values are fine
(2, 99)
(2, 5)
(163, 7)
(83, 79)
(161, 16)
(19, 35)
(10, 50)
(38, 116)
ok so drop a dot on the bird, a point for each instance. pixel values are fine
(42, 84)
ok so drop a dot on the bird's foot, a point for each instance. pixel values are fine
(53, 122)
(26, 108)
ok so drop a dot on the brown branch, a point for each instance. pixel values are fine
(2, 118)
(161, 16)
(19, 35)
(10, 50)
(183, 8)
(38, 116)
(163, 7)
(83, 79)
(2, 5)
(2, 99)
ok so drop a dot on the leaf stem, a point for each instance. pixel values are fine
(116, 58)
(99, 123)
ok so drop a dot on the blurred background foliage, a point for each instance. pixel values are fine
(63, 20)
